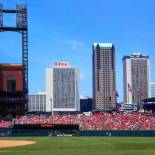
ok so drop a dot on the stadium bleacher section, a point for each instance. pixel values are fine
(105, 121)
(6, 124)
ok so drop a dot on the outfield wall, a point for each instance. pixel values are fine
(130, 133)
(44, 129)
(18, 133)
(4, 132)
(123, 133)
(47, 132)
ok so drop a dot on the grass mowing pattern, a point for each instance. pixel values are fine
(83, 146)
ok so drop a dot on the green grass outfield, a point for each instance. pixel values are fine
(83, 146)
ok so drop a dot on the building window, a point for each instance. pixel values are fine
(11, 84)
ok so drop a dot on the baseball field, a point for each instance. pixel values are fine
(77, 146)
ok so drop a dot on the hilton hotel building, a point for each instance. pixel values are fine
(62, 88)
(104, 87)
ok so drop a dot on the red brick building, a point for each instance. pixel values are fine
(11, 89)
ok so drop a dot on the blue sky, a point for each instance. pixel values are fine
(66, 30)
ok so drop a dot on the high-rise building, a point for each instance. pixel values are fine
(136, 78)
(37, 102)
(62, 88)
(152, 89)
(104, 87)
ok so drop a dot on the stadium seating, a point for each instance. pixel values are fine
(6, 124)
(105, 121)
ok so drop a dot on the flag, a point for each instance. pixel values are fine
(130, 88)
(116, 93)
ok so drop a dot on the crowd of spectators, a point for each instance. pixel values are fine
(31, 119)
(6, 124)
(99, 121)
(118, 122)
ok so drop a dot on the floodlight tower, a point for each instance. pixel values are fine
(21, 27)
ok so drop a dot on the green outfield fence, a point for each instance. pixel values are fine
(125, 133)
(132, 133)
(4, 132)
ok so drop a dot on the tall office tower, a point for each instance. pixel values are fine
(104, 88)
(136, 78)
(62, 88)
(152, 89)
(37, 102)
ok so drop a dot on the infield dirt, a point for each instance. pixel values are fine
(14, 143)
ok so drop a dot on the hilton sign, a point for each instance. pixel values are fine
(61, 64)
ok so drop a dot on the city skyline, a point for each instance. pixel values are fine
(65, 31)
